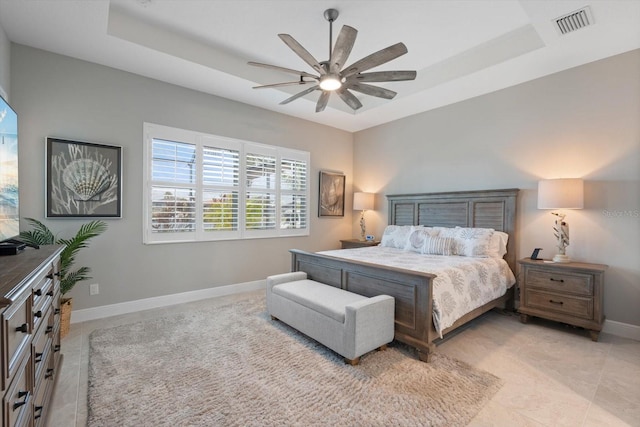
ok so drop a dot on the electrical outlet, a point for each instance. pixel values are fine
(94, 289)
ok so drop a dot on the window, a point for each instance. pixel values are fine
(202, 187)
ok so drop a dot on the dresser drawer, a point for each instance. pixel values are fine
(563, 304)
(42, 288)
(16, 404)
(16, 331)
(575, 283)
(42, 344)
(42, 401)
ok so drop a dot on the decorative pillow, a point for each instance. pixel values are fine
(471, 242)
(417, 237)
(438, 246)
(498, 244)
(396, 236)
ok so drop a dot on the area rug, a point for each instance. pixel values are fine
(234, 366)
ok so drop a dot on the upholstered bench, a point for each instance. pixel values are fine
(347, 323)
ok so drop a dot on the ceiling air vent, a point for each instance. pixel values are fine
(574, 20)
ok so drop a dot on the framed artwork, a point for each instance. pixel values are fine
(83, 179)
(331, 194)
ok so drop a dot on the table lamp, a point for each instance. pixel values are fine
(565, 193)
(363, 202)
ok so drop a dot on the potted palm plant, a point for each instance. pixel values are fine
(42, 235)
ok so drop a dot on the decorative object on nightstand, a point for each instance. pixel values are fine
(356, 243)
(565, 193)
(363, 202)
(571, 293)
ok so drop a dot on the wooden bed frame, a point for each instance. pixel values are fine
(413, 290)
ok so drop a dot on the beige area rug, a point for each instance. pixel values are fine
(234, 366)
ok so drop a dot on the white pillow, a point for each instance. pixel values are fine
(396, 236)
(471, 242)
(498, 244)
(416, 239)
(434, 245)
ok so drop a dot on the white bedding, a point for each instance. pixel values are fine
(462, 283)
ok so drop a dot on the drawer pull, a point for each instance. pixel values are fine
(48, 330)
(556, 280)
(38, 358)
(49, 373)
(38, 292)
(50, 276)
(56, 347)
(38, 411)
(24, 328)
(21, 394)
(556, 302)
(38, 314)
(50, 293)
(56, 311)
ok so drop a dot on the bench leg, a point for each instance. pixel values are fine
(383, 347)
(274, 318)
(352, 362)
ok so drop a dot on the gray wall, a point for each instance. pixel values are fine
(5, 52)
(583, 122)
(59, 96)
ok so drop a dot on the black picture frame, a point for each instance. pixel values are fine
(83, 179)
(331, 194)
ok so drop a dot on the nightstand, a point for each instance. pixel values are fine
(356, 243)
(571, 293)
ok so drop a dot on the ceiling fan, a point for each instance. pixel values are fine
(333, 77)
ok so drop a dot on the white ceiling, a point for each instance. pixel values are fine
(461, 49)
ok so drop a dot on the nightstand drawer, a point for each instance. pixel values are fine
(575, 283)
(563, 304)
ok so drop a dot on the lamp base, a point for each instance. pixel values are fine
(561, 258)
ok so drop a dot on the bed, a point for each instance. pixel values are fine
(413, 290)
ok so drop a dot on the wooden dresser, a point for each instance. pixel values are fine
(30, 312)
(572, 293)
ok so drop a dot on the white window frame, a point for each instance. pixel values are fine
(153, 131)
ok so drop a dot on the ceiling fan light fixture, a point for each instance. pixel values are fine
(330, 82)
(333, 76)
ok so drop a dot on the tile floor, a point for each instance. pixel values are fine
(553, 375)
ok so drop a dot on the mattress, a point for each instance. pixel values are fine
(462, 284)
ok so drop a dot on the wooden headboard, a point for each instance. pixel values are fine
(486, 209)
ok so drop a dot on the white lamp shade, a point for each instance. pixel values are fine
(363, 201)
(565, 193)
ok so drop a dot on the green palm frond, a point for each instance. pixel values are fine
(68, 281)
(79, 241)
(41, 235)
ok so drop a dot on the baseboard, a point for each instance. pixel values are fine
(83, 315)
(620, 329)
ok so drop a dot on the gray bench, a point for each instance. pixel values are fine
(347, 323)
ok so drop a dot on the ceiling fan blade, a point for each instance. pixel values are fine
(377, 58)
(302, 53)
(342, 48)
(350, 99)
(299, 82)
(299, 94)
(380, 92)
(322, 101)
(384, 76)
(283, 69)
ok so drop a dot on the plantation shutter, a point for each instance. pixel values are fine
(260, 201)
(173, 192)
